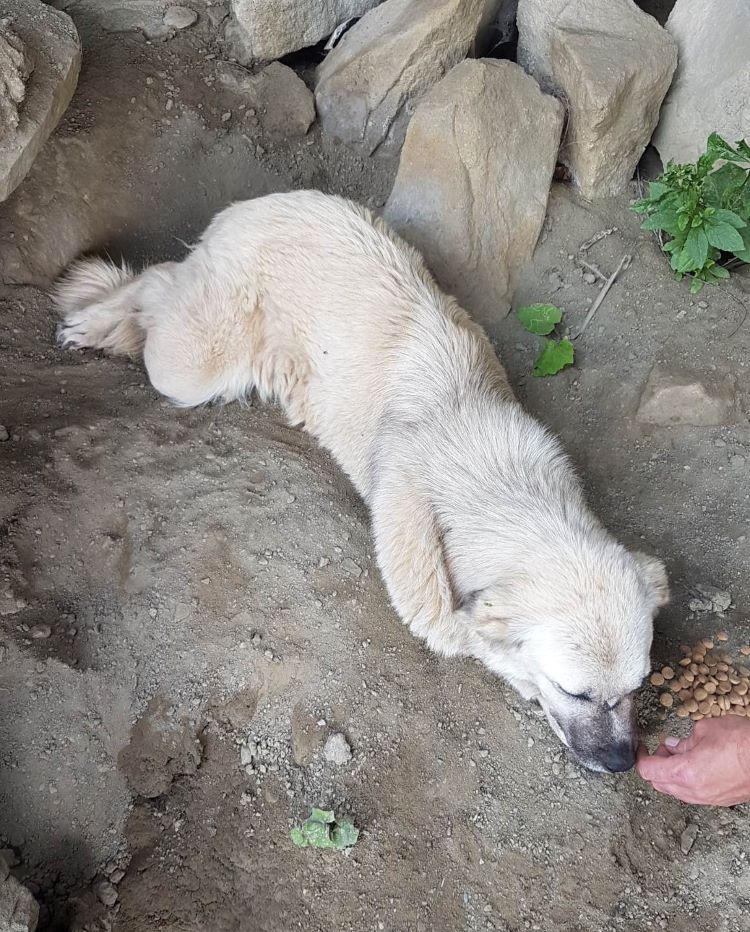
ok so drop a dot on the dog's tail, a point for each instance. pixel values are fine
(98, 303)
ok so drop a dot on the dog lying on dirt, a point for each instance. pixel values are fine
(483, 537)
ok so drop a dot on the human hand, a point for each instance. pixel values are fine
(709, 768)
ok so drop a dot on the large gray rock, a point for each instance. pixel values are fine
(264, 29)
(612, 65)
(37, 87)
(15, 68)
(19, 911)
(472, 185)
(711, 89)
(367, 87)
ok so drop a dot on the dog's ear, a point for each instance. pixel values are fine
(654, 575)
(487, 614)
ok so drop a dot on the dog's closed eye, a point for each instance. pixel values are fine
(583, 697)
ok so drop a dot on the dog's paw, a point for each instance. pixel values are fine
(75, 332)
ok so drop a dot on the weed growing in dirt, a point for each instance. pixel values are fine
(555, 355)
(323, 830)
(704, 210)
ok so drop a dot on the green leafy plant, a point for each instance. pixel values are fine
(705, 211)
(323, 830)
(555, 355)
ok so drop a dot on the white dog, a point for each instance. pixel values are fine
(483, 537)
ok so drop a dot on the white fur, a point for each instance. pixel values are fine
(483, 537)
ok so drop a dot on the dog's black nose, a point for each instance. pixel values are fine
(618, 757)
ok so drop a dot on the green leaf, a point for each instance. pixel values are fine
(321, 830)
(723, 185)
(719, 148)
(696, 285)
(667, 220)
(724, 236)
(555, 355)
(730, 217)
(657, 189)
(539, 318)
(321, 815)
(718, 271)
(695, 251)
(344, 834)
(299, 838)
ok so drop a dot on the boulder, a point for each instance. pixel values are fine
(680, 396)
(40, 56)
(472, 184)
(19, 911)
(264, 29)
(711, 89)
(612, 65)
(283, 100)
(367, 87)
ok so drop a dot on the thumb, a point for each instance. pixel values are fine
(677, 746)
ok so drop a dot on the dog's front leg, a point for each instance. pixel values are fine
(412, 561)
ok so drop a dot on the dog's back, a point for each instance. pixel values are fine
(305, 298)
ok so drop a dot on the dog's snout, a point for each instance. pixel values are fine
(618, 757)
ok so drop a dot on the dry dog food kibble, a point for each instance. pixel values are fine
(707, 682)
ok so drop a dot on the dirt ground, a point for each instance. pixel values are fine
(189, 604)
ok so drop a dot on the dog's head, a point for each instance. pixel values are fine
(574, 631)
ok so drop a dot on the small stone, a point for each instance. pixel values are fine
(256, 638)
(117, 875)
(246, 755)
(268, 654)
(4, 435)
(737, 461)
(337, 750)
(677, 396)
(106, 893)
(40, 632)
(687, 838)
(350, 567)
(179, 17)
(589, 278)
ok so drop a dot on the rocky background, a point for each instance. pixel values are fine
(195, 646)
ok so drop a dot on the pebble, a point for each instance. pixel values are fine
(589, 278)
(737, 460)
(107, 893)
(687, 839)
(179, 17)
(4, 435)
(352, 568)
(337, 749)
(40, 632)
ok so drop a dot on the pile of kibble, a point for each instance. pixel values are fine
(707, 683)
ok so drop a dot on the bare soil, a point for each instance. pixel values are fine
(190, 605)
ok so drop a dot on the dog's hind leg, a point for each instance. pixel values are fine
(412, 561)
(99, 303)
